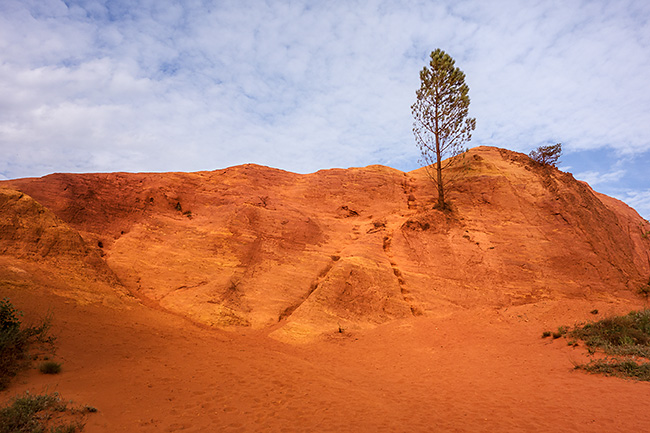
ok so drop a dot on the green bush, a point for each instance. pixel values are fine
(9, 316)
(37, 414)
(621, 337)
(619, 368)
(15, 341)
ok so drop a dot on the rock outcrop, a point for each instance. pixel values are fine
(300, 255)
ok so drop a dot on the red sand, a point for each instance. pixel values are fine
(481, 370)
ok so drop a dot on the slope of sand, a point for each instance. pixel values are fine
(178, 298)
(482, 370)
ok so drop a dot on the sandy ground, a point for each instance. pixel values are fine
(487, 370)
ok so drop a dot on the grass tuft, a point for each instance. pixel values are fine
(627, 335)
(39, 413)
(50, 367)
(621, 337)
(619, 368)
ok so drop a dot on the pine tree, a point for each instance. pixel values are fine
(547, 155)
(441, 126)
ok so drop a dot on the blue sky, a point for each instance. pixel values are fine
(157, 85)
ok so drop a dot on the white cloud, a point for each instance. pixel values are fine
(169, 85)
(639, 200)
(568, 72)
(594, 178)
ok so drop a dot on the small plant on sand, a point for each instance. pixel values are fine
(50, 367)
(561, 331)
(619, 368)
(15, 341)
(89, 409)
(40, 413)
(626, 339)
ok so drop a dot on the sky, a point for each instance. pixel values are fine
(162, 85)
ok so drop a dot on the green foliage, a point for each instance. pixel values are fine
(619, 368)
(547, 155)
(15, 341)
(35, 413)
(9, 316)
(622, 337)
(441, 126)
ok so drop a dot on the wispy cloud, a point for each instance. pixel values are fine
(96, 85)
(639, 200)
(594, 178)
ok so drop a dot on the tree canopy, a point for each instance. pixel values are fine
(547, 155)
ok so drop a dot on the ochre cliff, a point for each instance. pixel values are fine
(301, 255)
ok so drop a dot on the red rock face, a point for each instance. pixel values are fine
(304, 254)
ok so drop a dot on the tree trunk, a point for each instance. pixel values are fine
(441, 191)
